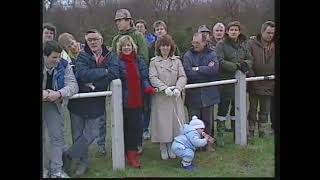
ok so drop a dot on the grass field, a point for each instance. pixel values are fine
(254, 160)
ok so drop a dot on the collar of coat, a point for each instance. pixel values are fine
(241, 38)
(131, 30)
(105, 51)
(205, 50)
(159, 58)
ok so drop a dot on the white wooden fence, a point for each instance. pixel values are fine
(118, 160)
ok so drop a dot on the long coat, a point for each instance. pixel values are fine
(166, 110)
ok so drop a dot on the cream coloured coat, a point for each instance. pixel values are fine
(166, 112)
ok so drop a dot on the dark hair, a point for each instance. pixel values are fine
(51, 46)
(165, 40)
(50, 27)
(266, 24)
(141, 21)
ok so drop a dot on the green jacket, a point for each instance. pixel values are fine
(230, 52)
(137, 38)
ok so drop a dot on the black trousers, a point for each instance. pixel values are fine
(132, 127)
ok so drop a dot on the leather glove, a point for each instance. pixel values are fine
(176, 92)
(168, 92)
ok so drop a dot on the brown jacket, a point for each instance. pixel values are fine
(263, 65)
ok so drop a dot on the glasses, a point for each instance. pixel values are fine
(93, 39)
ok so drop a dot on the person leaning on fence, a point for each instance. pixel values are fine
(135, 82)
(96, 67)
(192, 137)
(167, 111)
(201, 65)
(73, 48)
(58, 84)
(260, 92)
(233, 54)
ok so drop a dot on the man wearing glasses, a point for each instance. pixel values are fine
(95, 68)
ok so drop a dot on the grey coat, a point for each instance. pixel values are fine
(165, 110)
(70, 85)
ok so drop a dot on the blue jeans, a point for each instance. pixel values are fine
(84, 131)
(101, 140)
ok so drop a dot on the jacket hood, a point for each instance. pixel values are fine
(187, 128)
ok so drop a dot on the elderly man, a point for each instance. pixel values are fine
(96, 67)
(201, 65)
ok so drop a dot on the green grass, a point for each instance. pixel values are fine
(254, 160)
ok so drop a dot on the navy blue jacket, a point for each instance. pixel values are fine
(205, 96)
(144, 78)
(87, 71)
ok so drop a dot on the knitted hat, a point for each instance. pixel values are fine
(196, 123)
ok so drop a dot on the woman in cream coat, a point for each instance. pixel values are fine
(167, 110)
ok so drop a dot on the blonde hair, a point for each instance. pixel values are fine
(64, 39)
(124, 39)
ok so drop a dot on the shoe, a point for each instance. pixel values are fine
(67, 160)
(170, 152)
(146, 135)
(140, 150)
(133, 159)
(60, 174)
(45, 173)
(102, 150)
(81, 170)
(189, 168)
(164, 154)
(262, 134)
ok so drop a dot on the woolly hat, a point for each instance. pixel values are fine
(196, 123)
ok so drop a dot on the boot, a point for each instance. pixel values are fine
(233, 128)
(133, 159)
(250, 135)
(262, 129)
(220, 133)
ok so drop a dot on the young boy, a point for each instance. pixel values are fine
(184, 145)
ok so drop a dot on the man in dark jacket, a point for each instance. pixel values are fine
(262, 50)
(233, 54)
(201, 65)
(96, 67)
